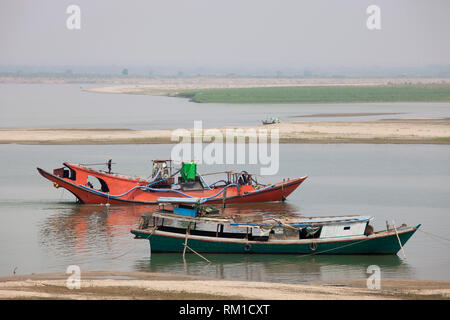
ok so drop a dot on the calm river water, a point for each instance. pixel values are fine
(43, 230)
(68, 106)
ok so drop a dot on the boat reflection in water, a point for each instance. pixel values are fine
(89, 232)
(276, 268)
(74, 228)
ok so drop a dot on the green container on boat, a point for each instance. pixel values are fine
(188, 171)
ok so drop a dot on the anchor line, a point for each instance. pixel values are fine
(347, 245)
(62, 193)
(126, 252)
(436, 237)
(134, 247)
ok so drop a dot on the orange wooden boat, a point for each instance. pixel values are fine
(101, 187)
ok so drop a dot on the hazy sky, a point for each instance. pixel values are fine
(225, 33)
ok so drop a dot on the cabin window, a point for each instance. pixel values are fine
(70, 174)
(310, 232)
(97, 184)
(347, 228)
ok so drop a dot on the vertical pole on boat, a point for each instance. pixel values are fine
(398, 238)
(185, 240)
(224, 197)
(150, 245)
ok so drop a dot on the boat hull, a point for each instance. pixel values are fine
(380, 243)
(121, 186)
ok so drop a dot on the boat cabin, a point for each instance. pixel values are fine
(184, 207)
(183, 218)
(162, 174)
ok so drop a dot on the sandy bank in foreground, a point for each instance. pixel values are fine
(436, 131)
(141, 285)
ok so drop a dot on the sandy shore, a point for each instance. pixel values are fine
(434, 131)
(157, 286)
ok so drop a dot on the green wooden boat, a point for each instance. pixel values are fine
(168, 231)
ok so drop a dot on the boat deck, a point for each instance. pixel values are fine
(300, 222)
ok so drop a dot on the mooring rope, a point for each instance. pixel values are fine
(340, 247)
(436, 237)
(134, 246)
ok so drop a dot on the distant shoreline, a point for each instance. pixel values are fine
(397, 131)
(251, 90)
(276, 91)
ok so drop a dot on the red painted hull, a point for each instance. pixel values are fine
(119, 187)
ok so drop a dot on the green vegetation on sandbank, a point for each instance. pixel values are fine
(322, 94)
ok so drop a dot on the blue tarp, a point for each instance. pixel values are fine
(180, 200)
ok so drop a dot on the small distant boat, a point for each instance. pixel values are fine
(272, 120)
(186, 223)
(102, 187)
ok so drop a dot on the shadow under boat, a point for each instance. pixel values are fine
(275, 267)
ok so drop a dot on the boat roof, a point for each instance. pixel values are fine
(180, 200)
(187, 218)
(334, 219)
(301, 222)
(308, 221)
